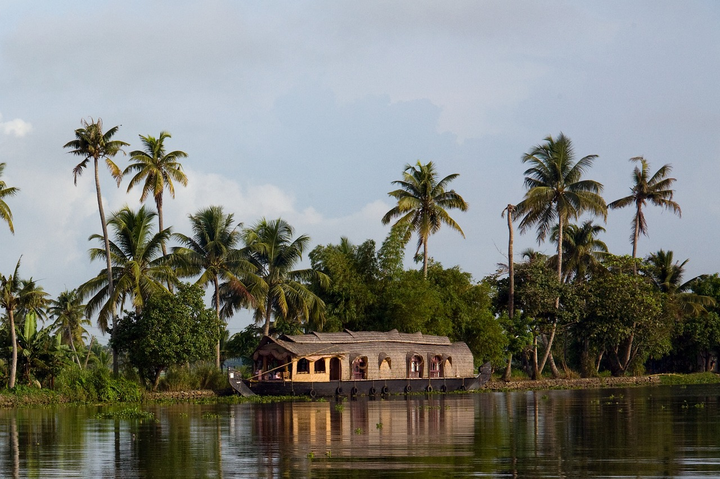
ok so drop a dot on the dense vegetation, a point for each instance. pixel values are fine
(580, 311)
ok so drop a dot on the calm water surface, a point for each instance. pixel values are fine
(634, 432)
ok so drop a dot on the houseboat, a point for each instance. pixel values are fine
(354, 363)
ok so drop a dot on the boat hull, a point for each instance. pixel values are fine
(360, 387)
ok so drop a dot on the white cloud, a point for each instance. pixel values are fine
(16, 127)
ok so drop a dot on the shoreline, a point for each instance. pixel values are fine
(498, 385)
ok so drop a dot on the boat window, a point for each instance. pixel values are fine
(436, 367)
(359, 368)
(303, 366)
(415, 367)
(320, 366)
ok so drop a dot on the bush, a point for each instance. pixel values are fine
(96, 385)
(201, 375)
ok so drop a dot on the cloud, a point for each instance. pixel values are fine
(16, 127)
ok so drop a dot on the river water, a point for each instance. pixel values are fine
(657, 431)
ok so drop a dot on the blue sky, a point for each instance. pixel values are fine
(309, 110)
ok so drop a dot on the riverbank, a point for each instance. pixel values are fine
(30, 397)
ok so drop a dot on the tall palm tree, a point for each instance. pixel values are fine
(6, 191)
(69, 314)
(582, 251)
(667, 276)
(557, 193)
(92, 143)
(273, 251)
(157, 170)
(422, 202)
(212, 253)
(139, 270)
(17, 297)
(656, 190)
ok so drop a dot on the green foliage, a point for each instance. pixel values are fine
(171, 329)
(96, 385)
(683, 379)
(243, 344)
(127, 414)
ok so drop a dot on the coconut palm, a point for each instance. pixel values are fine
(212, 253)
(156, 170)
(667, 276)
(656, 190)
(510, 209)
(92, 143)
(273, 251)
(582, 251)
(69, 314)
(19, 297)
(6, 191)
(139, 270)
(422, 202)
(557, 193)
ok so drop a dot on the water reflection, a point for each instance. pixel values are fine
(643, 432)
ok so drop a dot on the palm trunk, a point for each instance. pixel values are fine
(72, 345)
(636, 236)
(13, 339)
(108, 263)
(268, 315)
(557, 301)
(87, 358)
(425, 258)
(511, 262)
(159, 205)
(217, 312)
(508, 369)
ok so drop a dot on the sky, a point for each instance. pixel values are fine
(309, 110)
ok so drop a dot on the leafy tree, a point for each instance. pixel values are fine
(656, 190)
(6, 192)
(557, 193)
(69, 314)
(625, 316)
(18, 296)
(139, 270)
(157, 170)
(351, 296)
(244, 343)
(212, 253)
(422, 204)
(171, 329)
(274, 252)
(92, 143)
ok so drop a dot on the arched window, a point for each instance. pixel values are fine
(415, 366)
(320, 365)
(359, 368)
(436, 367)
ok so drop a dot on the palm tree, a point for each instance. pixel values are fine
(19, 297)
(582, 251)
(212, 253)
(656, 190)
(69, 314)
(157, 170)
(422, 202)
(6, 191)
(91, 142)
(556, 194)
(139, 269)
(273, 251)
(667, 276)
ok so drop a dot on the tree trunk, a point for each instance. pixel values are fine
(636, 235)
(511, 263)
(159, 205)
(108, 263)
(536, 369)
(156, 381)
(268, 316)
(548, 349)
(217, 312)
(87, 358)
(425, 258)
(72, 345)
(13, 339)
(508, 369)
